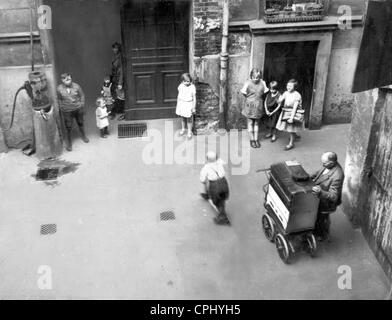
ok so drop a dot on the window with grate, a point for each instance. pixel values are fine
(280, 11)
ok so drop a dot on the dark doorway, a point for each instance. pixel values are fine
(287, 60)
(155, 36)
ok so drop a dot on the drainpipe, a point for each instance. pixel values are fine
(224, 57)
(31, 40)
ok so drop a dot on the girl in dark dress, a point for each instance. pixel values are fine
(253, 91)
(272, 110)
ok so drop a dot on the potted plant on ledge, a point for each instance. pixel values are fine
(293, 10)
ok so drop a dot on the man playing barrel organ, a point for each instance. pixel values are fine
(329, 184)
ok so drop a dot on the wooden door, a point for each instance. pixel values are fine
(293, 60)
(155, 36)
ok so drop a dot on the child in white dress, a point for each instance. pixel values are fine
(102, 114)
(186, 103)
(106, 93)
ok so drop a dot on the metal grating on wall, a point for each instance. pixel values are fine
(47, 174)
(132, 130)
(48, 229)
(167, 215)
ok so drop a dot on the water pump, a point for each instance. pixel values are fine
(47, 142)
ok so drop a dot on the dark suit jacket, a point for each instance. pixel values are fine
(331, 185)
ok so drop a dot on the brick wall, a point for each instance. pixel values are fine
(207, 15)
(206, 119)
(207, 38)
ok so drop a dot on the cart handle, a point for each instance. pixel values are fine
(263, 170)
(266, 171)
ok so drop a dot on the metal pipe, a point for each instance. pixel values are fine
(31, 39)
(224, 57)
(11, 9)
(13, 109)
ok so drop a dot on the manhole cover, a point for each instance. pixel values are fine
(47, 174)
(168, 215)
(132, 130)
(48, 229)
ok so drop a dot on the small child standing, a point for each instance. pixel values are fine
(253, 91)
(272, 110)
(292, 107)
(215, 186)
(102, 117)
(106, 93)
(120, 102)
(186, 104)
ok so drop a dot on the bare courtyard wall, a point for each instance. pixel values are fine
(339, 100)
(367, 199)
(83, 33)
(15, 65)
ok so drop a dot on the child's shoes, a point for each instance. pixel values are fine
(222, 220)
(204, 196)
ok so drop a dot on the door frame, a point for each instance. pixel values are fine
(190, 48)
(321, 68)
(283, 85)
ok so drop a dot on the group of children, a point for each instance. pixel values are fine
(264, 103)
(186, 105)
(278, 111)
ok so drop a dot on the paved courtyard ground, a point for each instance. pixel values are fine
(111, 244)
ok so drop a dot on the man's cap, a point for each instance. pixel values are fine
(212, 156)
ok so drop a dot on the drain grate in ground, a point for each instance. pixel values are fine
(132, 130)
(47, 174)
(168, 215)
(48, 229)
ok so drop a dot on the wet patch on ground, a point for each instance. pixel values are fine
(50, 170)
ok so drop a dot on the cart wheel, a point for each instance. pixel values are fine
(269, 227)
(311, 244)
(283, 248)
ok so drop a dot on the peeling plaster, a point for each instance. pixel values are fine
(240, 43)
(203, 25)
(367, 196)
(207, 70)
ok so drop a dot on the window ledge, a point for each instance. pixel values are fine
(259, 26)
(18, 36)
(387, 88)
